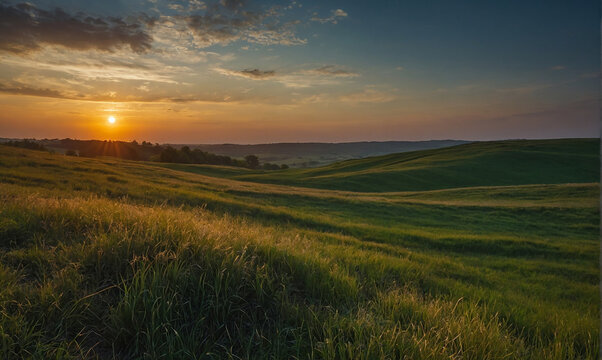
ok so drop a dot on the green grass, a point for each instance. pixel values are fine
(117, 259)
(512, 162)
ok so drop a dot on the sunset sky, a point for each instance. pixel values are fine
(195, 71)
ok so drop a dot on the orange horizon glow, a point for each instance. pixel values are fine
(245, 123)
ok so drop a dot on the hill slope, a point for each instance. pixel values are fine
(121, 259)
(315, 154)
(516, 162)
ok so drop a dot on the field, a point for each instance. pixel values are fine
(516, 162)
(479, 251)
(317, 154)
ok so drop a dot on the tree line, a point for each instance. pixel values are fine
(196, 156)
(26, 144)
(144, 151)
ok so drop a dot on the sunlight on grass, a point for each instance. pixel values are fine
(121, 259)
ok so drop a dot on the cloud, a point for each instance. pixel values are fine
(258, 74)
(231, 21)
(196, 5)
(254, 74)
(97, 65)
(333, 18)
(300, 81)
(331, 70)
(557, 68)
(173, 41)
(16, 88)
(25, 28)
(325, 75)
(177, 7)
(369, 95)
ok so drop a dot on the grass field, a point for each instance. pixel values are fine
(515, 162)
(479, 251)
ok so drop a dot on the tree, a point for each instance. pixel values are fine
(284, 166)
(71, 152)
(252, 161)
(169, 154)
(185, 156)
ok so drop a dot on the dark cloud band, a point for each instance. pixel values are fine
(25, 28)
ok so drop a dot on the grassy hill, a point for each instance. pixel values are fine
(316, 154)
(292, 154)
(105, 258)
(516, 162)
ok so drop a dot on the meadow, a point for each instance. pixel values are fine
(480, 251)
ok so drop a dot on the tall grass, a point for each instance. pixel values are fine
(270, 272)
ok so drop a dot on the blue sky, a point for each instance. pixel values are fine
(249, 72)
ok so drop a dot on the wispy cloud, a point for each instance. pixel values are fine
(231, 21)
(302, 78)
(332, 70)
(254, 74)
(174, 42)
(557, 67)
(368, 95)
(16, 88)
(20, 89)
(100, 66)
(334, 18)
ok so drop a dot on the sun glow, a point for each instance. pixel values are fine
(111, 119)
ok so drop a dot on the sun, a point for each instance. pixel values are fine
(111, 119)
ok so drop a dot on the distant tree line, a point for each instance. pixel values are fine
(196, 156)
(143, 151)
(186, 156)
(26, 144)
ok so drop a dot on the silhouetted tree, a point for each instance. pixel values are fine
(169, 154)
(252, 161)
(26, 144)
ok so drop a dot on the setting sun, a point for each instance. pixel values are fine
(111, 119)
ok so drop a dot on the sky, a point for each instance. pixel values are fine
(235, 71)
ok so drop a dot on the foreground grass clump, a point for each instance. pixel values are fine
(116, 259)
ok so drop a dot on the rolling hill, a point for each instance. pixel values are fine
(512, 162)
(107, 258)
(317, 154)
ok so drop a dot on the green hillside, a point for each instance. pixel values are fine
(106, 258)
(516, 162)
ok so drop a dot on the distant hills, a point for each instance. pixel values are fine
(437, 164)
(292, 154)
(316, 154)
(491, 163)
